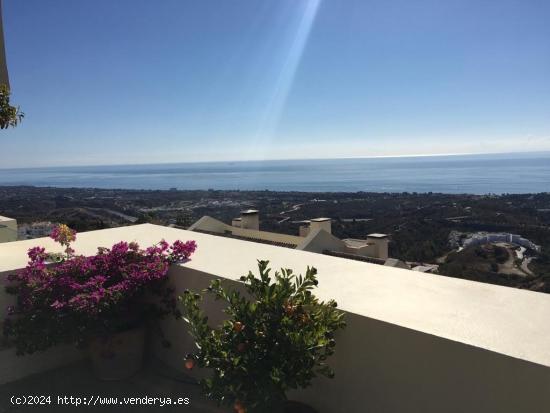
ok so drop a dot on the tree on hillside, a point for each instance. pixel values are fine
(185, 219)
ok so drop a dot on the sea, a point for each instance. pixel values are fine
(474, 174)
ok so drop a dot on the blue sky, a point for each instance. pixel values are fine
(135, 81)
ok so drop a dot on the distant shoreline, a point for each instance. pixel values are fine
(268, 191)
(464, 174)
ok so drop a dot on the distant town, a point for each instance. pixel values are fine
(499, 239)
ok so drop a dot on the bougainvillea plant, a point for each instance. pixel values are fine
(64, 235)
(277, 337)
(82, 298)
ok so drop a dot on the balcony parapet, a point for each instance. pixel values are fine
(415, 342)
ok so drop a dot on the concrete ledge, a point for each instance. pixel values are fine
(382, 367)
(415, 342)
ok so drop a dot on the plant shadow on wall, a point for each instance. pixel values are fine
(102, 301)
(275, 339)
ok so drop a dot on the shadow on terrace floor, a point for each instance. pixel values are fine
(77, 380)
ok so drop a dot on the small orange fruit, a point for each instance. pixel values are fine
(239, 407)
(189, 363)
(238, 326)
(290, 309)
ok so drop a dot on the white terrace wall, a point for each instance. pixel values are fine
(8, 229)
(417, 343)
(13, 367)
(381, 367)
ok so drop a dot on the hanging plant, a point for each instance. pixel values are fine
(10, 116)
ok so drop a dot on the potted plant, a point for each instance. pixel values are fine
(101, 301)
(277, 337)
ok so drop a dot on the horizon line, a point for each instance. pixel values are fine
(284, 159)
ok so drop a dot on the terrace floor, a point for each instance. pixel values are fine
(77, 380)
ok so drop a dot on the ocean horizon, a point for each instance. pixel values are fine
(473, 174)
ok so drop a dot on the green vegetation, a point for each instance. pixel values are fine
(481, 263)
(10, 116)
(419, 225)
(185, 219)
(277, 337)
(542, 266)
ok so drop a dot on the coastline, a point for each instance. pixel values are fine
(478, 174)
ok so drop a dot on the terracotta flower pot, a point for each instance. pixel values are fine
(118, 356)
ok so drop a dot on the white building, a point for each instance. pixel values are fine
(35, 230)
(8, 229)
(480, 238)
(315, 235)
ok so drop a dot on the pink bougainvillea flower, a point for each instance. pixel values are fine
(83, 297)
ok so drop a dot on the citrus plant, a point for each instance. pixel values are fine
(277, 337)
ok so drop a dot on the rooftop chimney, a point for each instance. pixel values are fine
(303, 230)
(381, 242)
(250, 219)
(321, 223)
